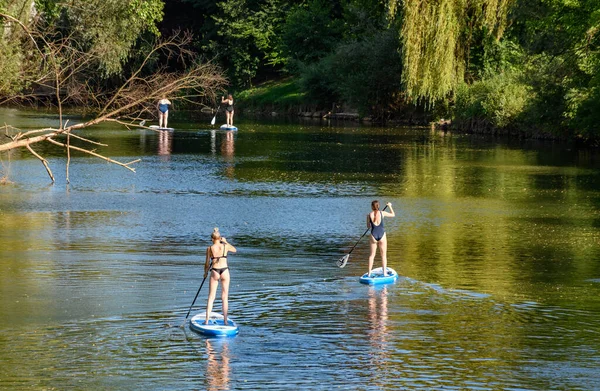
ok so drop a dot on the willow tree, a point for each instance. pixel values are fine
(435, 37)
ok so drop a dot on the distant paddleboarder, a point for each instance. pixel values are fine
(228, 108)
(216, 265)
(163, 106)
(378, 237)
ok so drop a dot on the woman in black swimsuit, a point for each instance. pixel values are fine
(216, 264)
(228, 108)
(378, 237)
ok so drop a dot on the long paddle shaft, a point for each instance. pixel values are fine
(197, 293)
(342, 261)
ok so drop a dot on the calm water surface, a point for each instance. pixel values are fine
(497, 244)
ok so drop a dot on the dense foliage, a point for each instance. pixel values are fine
(105, 29)
(365, 74)
(528, 66)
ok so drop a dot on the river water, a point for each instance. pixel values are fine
(497, 244)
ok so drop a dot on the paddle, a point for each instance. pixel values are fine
(197, 293)
(344, 260)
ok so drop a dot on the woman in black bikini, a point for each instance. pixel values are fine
(216, 264)
(378, 237)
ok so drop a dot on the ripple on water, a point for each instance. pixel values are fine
(342, 330)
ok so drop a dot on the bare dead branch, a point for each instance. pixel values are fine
(126, 165)
(21, 142)
(88, 140)
(29, 33)
(68, 165)
(44, 162)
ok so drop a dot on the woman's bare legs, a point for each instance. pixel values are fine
(373, 248)
(225, 294)
(382, 244)
(212, 293)
(162, 119)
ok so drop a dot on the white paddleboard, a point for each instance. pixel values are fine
(158, 128)
(215, 326)
(227, 127)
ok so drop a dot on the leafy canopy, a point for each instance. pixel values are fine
(434, 36)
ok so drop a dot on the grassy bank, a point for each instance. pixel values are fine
(282, 95)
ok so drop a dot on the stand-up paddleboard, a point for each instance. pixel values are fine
(159, 128)
(377, 277)
(215, 326)
(227, 127)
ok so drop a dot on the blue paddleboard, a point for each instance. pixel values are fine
(159, 128)
(227, 127)
(377, 277)
(215, 326)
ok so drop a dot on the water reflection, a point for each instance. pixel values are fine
(217, 364)
(378, 323)
(165, 142)
(213, 142)
(227, 146)
(227, 149)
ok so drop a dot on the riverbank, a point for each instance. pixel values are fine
(285, 98)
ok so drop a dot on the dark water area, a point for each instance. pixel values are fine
(496, 241)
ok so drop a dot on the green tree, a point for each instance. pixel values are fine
(498, 101)
(318, 81)
(14, 67)
(109, 28)
(311, 32)
(363, 18)
(105, 30)
(366, 74)
(248, 37)
(370, 74)
(435, 38)
(561, 39)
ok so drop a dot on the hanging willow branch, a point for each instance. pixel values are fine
(434, 42)
(66, 71)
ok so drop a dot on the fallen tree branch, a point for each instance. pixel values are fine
(126, 165)
(64, 72)
(44, 162)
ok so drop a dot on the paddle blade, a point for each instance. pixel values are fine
(143, 123)
(343, 261)
(213, 120)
